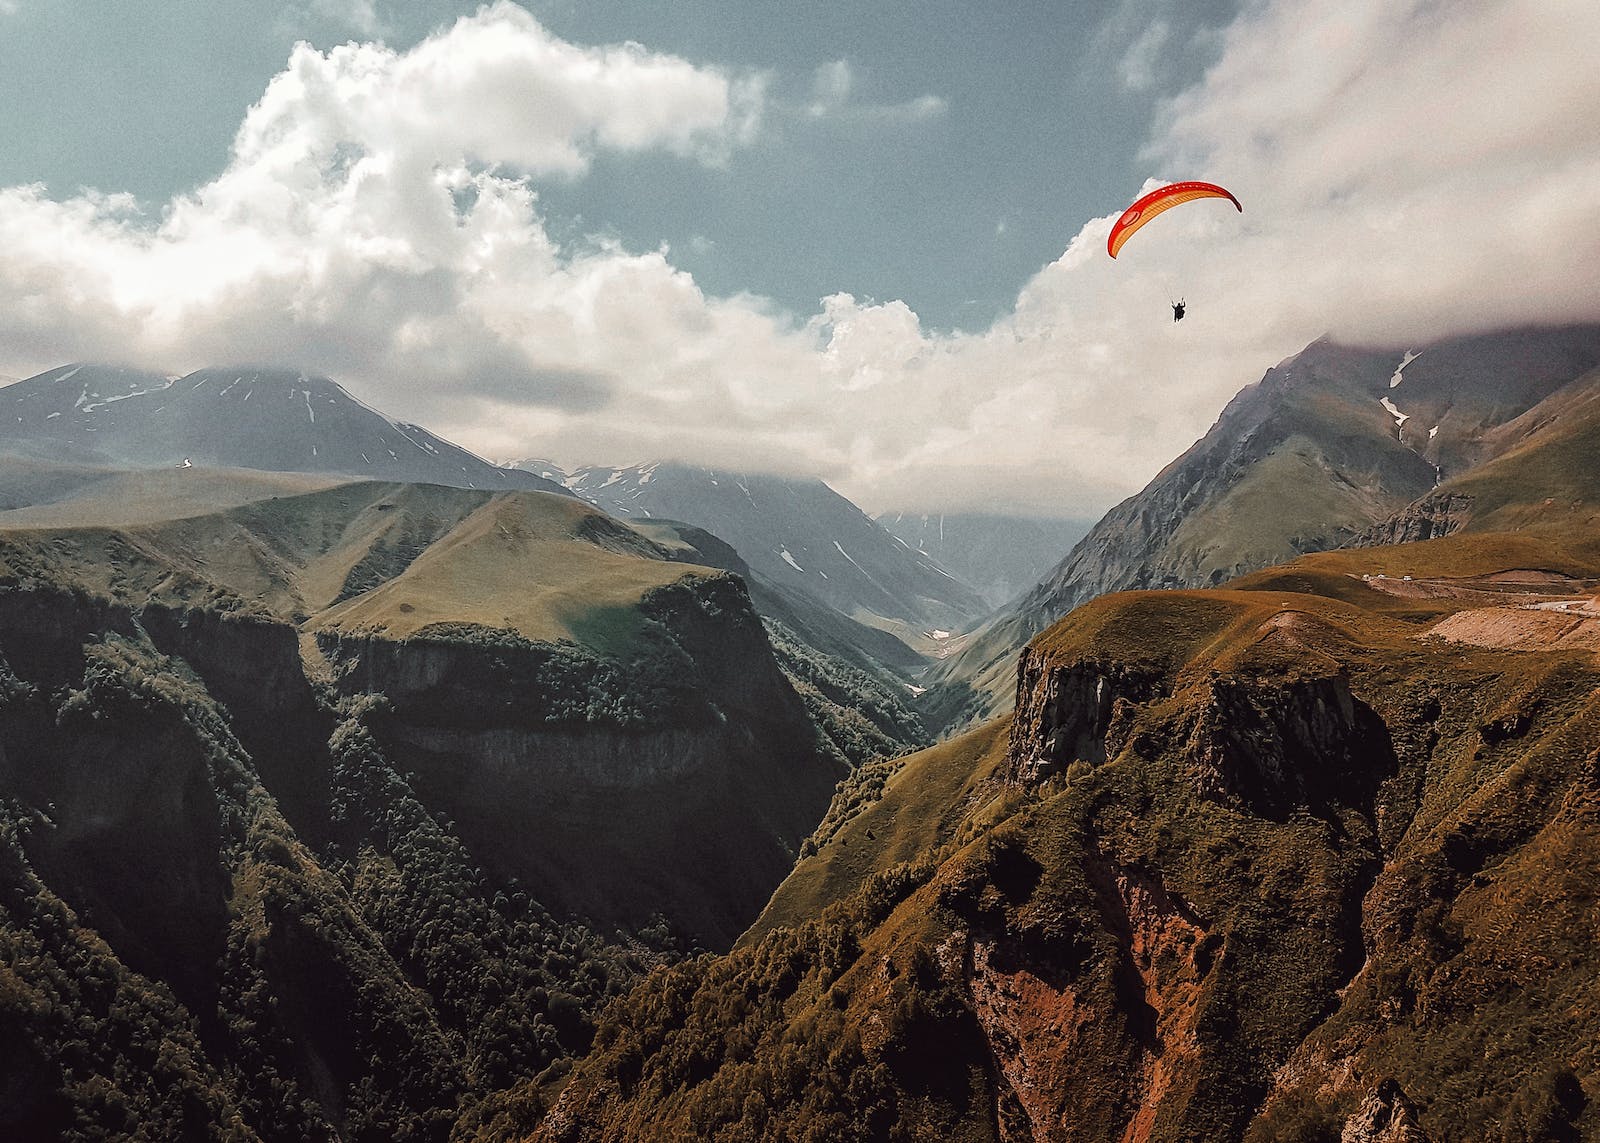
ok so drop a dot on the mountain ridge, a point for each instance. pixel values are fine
(230, 417)
(1002, 556)
(797, 533)
(1306, 459)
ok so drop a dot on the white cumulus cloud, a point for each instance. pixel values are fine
(378, 218)
(1408, 170)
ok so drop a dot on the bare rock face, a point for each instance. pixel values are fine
(1427, 519)
(1054, 1039)
(1271, 743)
(1074, 712)
(1278, 743)
(1385, 1116)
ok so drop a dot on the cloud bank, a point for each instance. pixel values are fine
(1408, 170)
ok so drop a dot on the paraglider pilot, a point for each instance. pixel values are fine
(1158, 202)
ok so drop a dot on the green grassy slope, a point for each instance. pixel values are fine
(544, 567)
(384, 558)
(922, 804)
(1547, 479)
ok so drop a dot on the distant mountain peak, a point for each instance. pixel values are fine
(272, 418)
(796, 531)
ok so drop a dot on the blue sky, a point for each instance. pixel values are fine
(931, 152)
(859, 241)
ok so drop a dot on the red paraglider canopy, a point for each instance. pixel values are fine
(1156, 202)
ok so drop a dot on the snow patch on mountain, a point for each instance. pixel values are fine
(1395, 379)
(1400, 418)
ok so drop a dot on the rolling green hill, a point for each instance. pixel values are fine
(45, 494)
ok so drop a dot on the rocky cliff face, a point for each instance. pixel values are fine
(1430, 518)
(1243, 738)
(1074, 712)
(622, 789)
(179, 958)
(1252, 740)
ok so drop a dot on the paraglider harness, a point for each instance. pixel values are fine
(1177, 309)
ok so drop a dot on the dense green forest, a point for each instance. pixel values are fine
(197, 969)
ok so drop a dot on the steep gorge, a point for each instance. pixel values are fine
(349, 879)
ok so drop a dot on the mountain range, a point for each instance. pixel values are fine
(375, 809)
(1326, 446)
(362, 797)
(795, 532)
(1001, 556)
(276, 420)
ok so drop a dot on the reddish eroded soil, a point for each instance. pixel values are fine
(1040, 1032)
(1163, 941)
(1514, 586)
(1522, 609)
(1574, 626)
(1033, 1028)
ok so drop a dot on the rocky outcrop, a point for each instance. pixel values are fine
(238, 655)
(1032, 1022)
(1385, 1116)
(1270, 742)
(1277, 743)
(1170, 953)
(1427, 519)
(1080, 711)
(45, 630)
